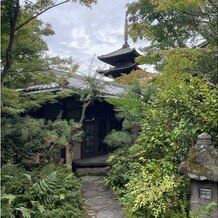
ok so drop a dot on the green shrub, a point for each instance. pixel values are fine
(51, 191)
(145, 174)
(118, 139)
(31, 142)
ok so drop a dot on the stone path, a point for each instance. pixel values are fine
(100, 201)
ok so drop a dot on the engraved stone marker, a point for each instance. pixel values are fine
(205, 193)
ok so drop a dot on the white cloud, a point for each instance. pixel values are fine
(83, 32)
(80, 38)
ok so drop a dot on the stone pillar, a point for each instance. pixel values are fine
(201, 167)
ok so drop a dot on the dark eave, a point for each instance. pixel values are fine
(125, 53)
(116, 72)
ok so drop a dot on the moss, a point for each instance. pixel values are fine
(198, 169)
(197, 163)
(192, 156)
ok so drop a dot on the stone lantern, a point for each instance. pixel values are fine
(201, 167)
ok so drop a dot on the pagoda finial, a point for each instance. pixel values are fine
(126, 31)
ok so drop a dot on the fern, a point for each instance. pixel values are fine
(7, 205)
(46, 184)
(51, 191)
(26, 213)
(44, 188)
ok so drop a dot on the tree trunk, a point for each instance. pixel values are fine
(70, 147)
(13, 15)
(13, 18)
(69, 154)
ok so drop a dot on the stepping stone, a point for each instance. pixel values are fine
(96, 171)
(100, 201)
(109, 214)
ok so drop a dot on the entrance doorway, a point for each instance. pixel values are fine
(95, 131)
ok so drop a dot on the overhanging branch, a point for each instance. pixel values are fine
(38, 14)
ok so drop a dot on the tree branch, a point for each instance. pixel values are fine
(85, 105)
(38, 14)
(13, 15)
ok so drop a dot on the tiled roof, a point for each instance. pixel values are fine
(121, 51)
(77, 81)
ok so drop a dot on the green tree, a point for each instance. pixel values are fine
(179, 25)
(34, 142)
(182, 105)
(21, 37)
(24, 59)
(137, 76)
(144, 172)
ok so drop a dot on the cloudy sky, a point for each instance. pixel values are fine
(85, 33)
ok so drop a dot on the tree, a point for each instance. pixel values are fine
(33, 142)
(25, 63)
(30, 63)
(182, 104)
(24, 54)
(89, 94)
(18, 19)
(144, 171)
(170, 25)
(137, 76)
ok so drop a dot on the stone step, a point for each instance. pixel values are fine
(95, 171)
(100, 201)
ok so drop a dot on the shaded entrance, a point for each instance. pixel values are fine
(99, 121)
(95, 130)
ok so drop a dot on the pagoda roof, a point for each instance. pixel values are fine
(124, 51)
(117, 71)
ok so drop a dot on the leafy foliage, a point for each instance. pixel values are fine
(169, 24)
(153, 194)
(51, 191)
(145, 174)
(32, 142)
(15, 102)
(138, 76)
(30, 65)
(173, 28)
(118, 139)
(24, 58)
(204, 211)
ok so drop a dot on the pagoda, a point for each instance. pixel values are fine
(122, 60)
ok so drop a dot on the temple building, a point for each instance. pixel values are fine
(122, 60)
(99, 118)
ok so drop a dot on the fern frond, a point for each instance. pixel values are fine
(48, 199)
(46, 184)
(25, 212)
(28, 176)
(8, 197)
(45, 187)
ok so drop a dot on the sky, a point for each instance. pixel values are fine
(85, 33)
